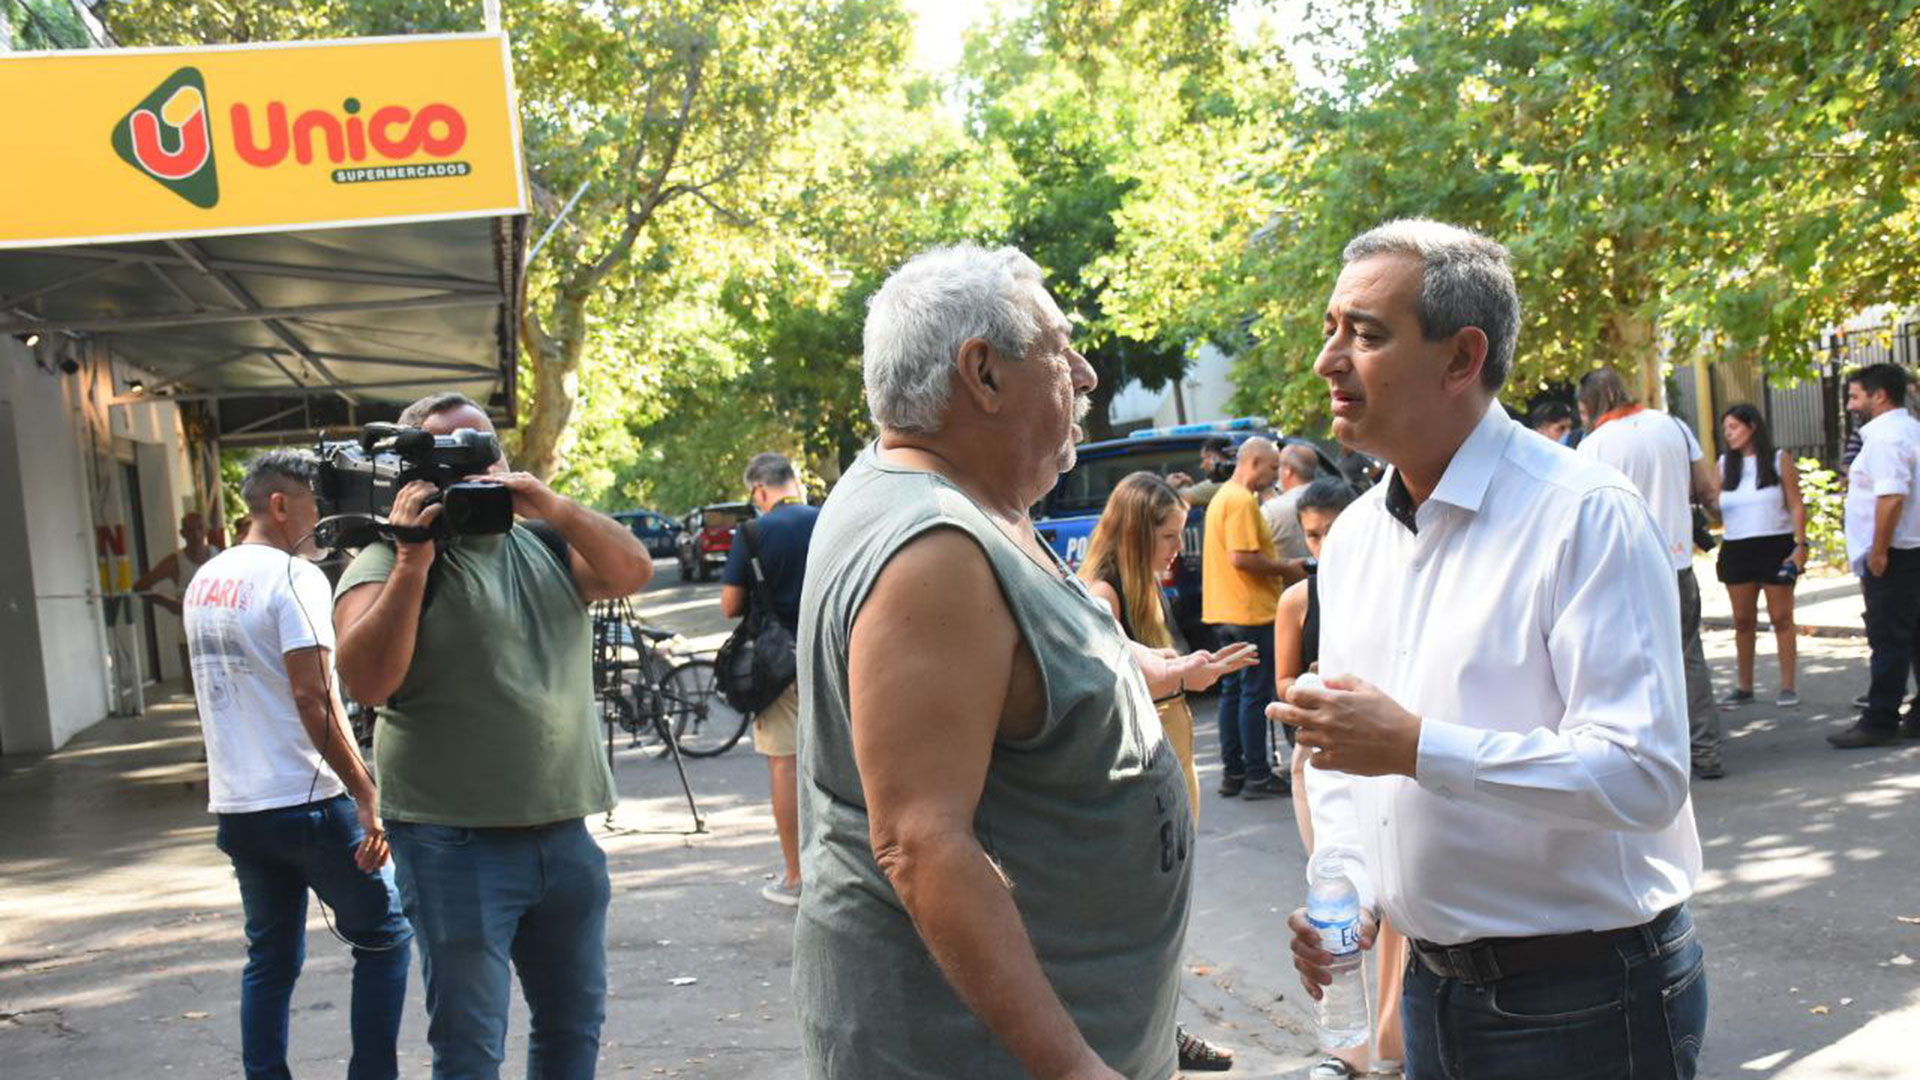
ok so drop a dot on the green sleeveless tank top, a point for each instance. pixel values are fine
(1088, 818)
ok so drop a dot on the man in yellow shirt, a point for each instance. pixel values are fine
(1240, 580)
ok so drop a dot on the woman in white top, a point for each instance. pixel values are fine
(1766, 544)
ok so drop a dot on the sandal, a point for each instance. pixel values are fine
(1199, 1055)
(1331, 1069)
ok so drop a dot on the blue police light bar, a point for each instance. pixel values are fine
(1216, 427)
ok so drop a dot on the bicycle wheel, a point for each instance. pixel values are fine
(701, 720)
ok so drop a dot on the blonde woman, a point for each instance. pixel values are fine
(1136, 541)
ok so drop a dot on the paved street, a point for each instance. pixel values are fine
(120, 936)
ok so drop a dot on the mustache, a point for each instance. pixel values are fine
(1082, 405)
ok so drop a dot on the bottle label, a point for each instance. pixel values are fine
(1338, 936)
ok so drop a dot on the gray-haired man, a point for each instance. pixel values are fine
(1502, 734)
(995, 831)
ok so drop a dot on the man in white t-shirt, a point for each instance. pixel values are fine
(1883, 547)
(297, 809)
(1663, 459)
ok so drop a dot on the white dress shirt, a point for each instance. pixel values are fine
(1533, 623)
(1888, 464)
(1657, 453)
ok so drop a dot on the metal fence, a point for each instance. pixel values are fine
(1808, 417)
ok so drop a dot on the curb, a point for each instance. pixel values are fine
(1722, 622)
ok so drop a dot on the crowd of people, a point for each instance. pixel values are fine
(983, 774)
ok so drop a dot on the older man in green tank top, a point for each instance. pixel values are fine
(995, 831)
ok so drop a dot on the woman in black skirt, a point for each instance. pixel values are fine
(1766, 544)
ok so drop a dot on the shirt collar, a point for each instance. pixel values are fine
(1468, 475)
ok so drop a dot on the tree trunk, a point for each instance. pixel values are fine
(556, 384)
(1637, 355)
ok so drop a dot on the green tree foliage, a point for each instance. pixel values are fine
(668, 117)
(1726, 175)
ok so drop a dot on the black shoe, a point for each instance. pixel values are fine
(1231, 785)
(1910, 727)
(1709, 770)
(1199, 1055)
(1860, 736)
(1860, 702)
(1273, 787)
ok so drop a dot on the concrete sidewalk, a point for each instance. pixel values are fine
(121, 943)
(1825, 603)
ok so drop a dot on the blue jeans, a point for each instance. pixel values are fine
(1244, 697)
(278, 855)
(1643, 1016)
(488, 902)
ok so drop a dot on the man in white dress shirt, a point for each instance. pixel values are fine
(1503, 731)
(1663, 459)
(1883, 547)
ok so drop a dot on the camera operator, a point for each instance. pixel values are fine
(480, 650)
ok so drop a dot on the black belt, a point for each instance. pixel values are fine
(1491, 959)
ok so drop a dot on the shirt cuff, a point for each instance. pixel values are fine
(1448, 756)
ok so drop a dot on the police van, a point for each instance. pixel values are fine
(1066, 517)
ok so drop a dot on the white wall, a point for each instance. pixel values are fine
(1207, 388)
(42, 451)
(54, 665)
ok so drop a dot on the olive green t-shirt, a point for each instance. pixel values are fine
(494, 724)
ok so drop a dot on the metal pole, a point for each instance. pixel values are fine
(558, 218)
(492, 8)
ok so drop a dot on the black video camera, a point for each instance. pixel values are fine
(356, 482)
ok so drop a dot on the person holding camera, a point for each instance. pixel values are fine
(773, 547)
(1764, 548)
(479, 649)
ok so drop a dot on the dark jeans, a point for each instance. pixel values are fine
(278, 855)
(1643, 1015)
(1244, 697)
(1893, 620)
(1703, 717)
(489, 902)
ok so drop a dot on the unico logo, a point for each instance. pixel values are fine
(168, 137)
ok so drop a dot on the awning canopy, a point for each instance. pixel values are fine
(283, 333)
(298, 235)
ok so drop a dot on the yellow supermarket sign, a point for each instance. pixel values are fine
(135, 144)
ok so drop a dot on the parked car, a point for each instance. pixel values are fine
(1066, 517)
(706, 536)
(659, 532)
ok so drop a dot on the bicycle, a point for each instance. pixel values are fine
(662, 697)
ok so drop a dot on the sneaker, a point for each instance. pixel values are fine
(1709, 770)
(1231, 785)
(1786, 699)
(1860, 736)
(1199, 1055)
(1273, 787)
(1860, 702)
(1736, 698)
(1910, 727)
(1331, 1069)
(779, 892)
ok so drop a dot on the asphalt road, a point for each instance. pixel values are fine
(120, 928)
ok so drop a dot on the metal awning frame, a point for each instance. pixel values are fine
(309, 371)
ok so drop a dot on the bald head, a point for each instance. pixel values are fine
(1258, 464)
(1298, 465)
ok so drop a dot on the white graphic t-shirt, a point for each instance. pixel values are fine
(245, 610)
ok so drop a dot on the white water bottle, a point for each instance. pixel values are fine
(1333, 909)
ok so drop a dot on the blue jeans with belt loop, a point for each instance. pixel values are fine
(487, 903)
(278, 855)
(1642, 1013)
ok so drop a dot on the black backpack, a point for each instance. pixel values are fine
(759, 661)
